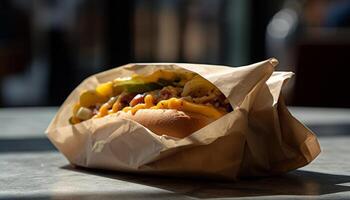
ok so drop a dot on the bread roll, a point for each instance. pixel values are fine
(168, 121)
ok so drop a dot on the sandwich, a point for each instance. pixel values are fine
(173, 102)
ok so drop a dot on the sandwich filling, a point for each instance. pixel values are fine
(163, 89)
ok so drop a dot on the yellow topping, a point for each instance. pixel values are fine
(186, 106)
(177, 104)
(103, 111)
(169, 75)
(116, 106)
(163, 74)
(138, 107)
(105, 89)
(75, 109)
(148, 104)
(149, 101)
(126, 109)
(90, 98)
(74, 120)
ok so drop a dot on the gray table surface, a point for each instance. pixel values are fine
(30, 167)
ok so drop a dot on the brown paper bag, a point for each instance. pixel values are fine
(260, 137)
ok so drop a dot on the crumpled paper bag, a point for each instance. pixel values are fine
(258, 138)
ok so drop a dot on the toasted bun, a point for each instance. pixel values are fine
(169, 121)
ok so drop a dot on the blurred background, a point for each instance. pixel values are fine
(47, 47)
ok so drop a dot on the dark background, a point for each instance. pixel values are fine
(47, 47)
